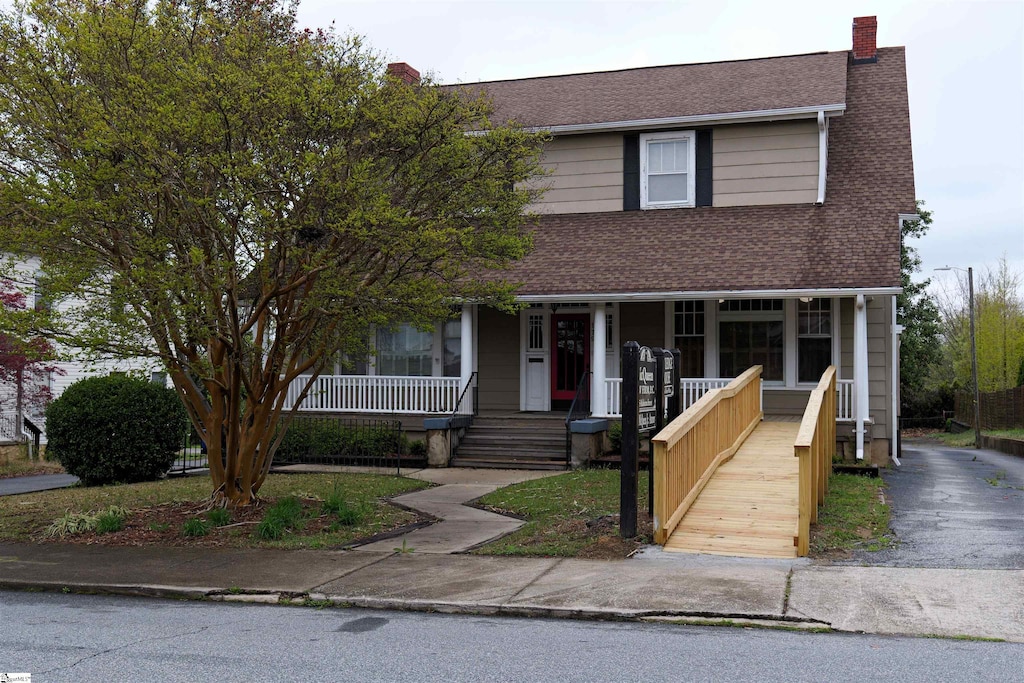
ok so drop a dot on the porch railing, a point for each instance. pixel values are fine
(815, 444)
(692, 388)
(613, 396)
(578, 410)
(379, 394)
(844, 399)
(689, 450)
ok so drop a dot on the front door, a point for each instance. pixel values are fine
(570, 356)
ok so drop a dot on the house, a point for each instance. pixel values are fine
(746, 212)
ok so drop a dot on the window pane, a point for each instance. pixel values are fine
(453, 348)
(668, 156)
(756, 342)
(667, 188)
(404, 351)
(815, 356)
(691, 361)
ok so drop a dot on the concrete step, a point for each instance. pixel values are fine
(503, 463)
(513, 441)
(532, 453)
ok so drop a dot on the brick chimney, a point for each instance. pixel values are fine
(411, 76)
(864, 31)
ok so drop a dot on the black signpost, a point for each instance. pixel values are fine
(640, 411)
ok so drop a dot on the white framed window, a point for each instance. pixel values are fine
(404, 351)
(688, 328)
(814, 338)
(752, 332)
(667, 169)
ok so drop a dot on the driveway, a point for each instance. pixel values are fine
(954, 508)
(38, 482)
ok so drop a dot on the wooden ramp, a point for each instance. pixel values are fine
(750, 506)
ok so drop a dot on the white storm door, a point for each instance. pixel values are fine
(536, 371)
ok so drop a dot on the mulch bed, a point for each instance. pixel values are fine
(162, 525)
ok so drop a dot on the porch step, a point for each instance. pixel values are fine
(513, 443)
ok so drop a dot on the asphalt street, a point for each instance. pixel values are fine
(70, 637)
(954, 508)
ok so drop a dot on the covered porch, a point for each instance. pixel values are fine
(555, 352)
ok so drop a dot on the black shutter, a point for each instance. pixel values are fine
(631, 172)
(704, 178)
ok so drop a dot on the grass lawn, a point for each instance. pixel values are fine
(966, 439)
(159, 510)
(854, 516)
(15, 463)
(570, 515)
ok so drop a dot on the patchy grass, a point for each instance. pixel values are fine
(159, 510)
(14, 462)
(855, 516)
(571, 515)
(966, 439)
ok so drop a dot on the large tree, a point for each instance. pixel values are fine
(242, 199)
(917, 312)
(26, 362)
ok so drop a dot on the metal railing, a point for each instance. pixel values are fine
(377, 394)
(462, 416)
(333, 440)
(191, 456)
(9, 431)
(578, 409)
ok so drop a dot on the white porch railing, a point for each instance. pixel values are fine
(844, 399)
(613, 396)
(362, 394)
(691, 389)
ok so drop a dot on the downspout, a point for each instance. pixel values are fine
(896, 437)
(860, 370)
(822, 155)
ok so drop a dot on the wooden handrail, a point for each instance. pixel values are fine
(689, 450)
(814, 446)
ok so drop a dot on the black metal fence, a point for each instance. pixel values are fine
(331, 440)
(318, 440)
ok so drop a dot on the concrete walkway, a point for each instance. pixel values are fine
(36, 482)
(461, 527)
(944, 602)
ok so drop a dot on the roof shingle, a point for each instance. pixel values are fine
(852, 241)
(810, 80)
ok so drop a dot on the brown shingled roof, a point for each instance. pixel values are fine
(851, 241)
(668, 91)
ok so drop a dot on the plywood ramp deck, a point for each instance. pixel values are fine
(750, 506)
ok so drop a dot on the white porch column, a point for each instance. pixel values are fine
(860, 370)
(598, 353)
(466, 347)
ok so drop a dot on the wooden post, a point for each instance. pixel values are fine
(628, 471)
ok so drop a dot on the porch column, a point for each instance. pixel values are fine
(860, 370)
(466, 347)
(598, 403)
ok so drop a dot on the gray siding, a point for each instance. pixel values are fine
(498, 360)
(765, 163)
(879, 353)
(585, 174)
(643, 323)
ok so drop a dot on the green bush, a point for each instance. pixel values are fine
(115, 429)
(283, 516)
(615, 436)
(418, 448)
(195, 527)
(325, 438)
(109, 522)
(218, 517)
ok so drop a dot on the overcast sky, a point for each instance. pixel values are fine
(965, 63)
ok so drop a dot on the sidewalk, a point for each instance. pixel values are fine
(946, 602)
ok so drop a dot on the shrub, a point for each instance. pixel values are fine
(218, 517)
(325, 438)
(283, 516)
(195, 527)
(615, 436)
(418, 448)
(337, 505)
(109, 522)
(115, 429)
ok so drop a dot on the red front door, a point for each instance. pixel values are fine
(570, 356)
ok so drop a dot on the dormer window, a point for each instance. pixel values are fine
(667, 165)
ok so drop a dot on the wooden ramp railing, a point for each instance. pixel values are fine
(815, 444)
(689, 450)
